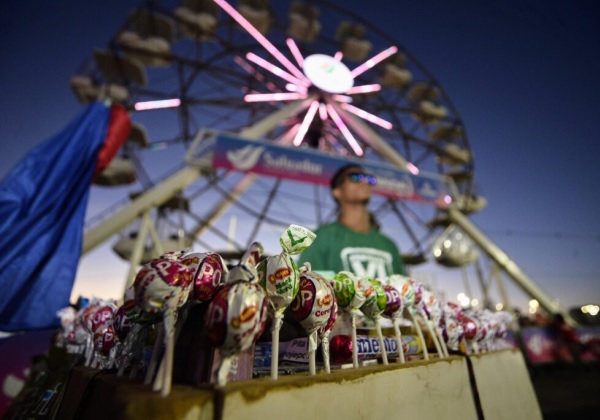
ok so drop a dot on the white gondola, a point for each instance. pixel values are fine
(427, 112)
(198, 19)
(124, 247)
(86, 91)
(120, 171)
(452, 154)
(148, 24)
(394, 76)
(151, 51)
(257, 12)
(447, 132)
(304, 22)
(420, 91)
(139, 135)
(471, 203)
(116, 67)
(354, 45)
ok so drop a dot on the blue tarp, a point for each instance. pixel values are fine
(42, 209)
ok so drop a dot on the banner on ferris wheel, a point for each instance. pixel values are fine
(311, 166)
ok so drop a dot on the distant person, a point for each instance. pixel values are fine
(353, 242)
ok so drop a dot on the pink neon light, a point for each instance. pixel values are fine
(412, 168)
(322, 111)
(281, 96)
(364, 89)
(166, 103)
(248, 68)
(342, 98)
(368, 116)
(260, 38)
(274, 69)
(295, 51)
(338, 56)
(373, 61)
(344, 130)
(310, 115)
(295, 88)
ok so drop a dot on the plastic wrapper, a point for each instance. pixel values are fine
(350, 295)
(374, 306)
(393, 310)
(210, 272)
(312, 308)
(161, 288)
(237, 314)
(279, 277)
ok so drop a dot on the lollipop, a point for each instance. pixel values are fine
(411, 296)
(210, 271)
(350, 296)
(161, 288)
(452, 330)
(324, 331)
(430, 312)
(393, 310)
(279, 277)
(373, 307)
(236, 316)
(312, 307)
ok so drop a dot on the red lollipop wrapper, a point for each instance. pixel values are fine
(235, 320)
(393, 310)
(312, 307)
(210, 272)
(237, 314)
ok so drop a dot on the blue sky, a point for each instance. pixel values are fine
(522, 74)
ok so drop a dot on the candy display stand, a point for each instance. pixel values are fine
(504, 388)
(489, 385)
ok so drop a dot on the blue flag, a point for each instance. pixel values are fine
(42, 212)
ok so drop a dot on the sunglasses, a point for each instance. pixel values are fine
(360, 176)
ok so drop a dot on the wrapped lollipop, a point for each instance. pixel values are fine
(131, 326)
(312, 307)
(279, 277)
(237, 314)
(393, 310)
(373, 307)
(473, 330)
(452, 330)
(104, 339)
(210, 272)
(350, 296)
(430, 312)
(161, 288)
(324, 331)
(411, 297)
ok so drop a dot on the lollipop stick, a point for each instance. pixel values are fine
(154, 359)
(325, 352)
(354, 340)
(434, 338)
(169, 323)
(381, 343)
(399, 339)
(442, 342)
(312, 347)
(420, 334)
(223, 371)
(277, 321)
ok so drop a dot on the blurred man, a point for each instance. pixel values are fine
(353, 242)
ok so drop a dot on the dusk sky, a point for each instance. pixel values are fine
(523, 75)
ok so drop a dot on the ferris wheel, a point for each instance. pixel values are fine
(307, 75)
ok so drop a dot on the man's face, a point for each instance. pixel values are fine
(354, 186)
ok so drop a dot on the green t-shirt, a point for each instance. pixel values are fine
(338, 248)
